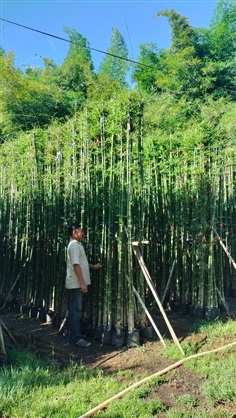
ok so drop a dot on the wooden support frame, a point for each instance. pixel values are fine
(148, 314)
(147, 276)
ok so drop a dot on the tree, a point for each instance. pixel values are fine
(222, 34)
(114, 65)
(9, 79)
(27, 99)
(183, 35)
(221, 46)
(76, 72)
(178, 69)
(145, 73)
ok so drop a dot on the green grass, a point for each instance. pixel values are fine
(29, 388)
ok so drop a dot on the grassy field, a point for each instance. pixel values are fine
(30, 388)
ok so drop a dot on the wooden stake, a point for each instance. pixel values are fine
(153, 290)
(10, 336)
(13, 286)
(148, 314)
(168, 283)
(225, 249)
(223, 301)
(2, 344)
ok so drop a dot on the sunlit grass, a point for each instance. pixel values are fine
(29, 388)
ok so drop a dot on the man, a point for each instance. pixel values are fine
(77, 282)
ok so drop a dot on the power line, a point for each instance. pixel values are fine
(75, 43)
(92, 49)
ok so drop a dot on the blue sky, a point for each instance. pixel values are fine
(94, 20)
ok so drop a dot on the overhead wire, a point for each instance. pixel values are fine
(132, 61)
(75, 43)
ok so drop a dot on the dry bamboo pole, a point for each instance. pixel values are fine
(148, 314)
(9, 334)
(148, 378)
(223, 301)
(168, 283)
(149, 281)
(13, 286)
(225, 249)
(2, 343)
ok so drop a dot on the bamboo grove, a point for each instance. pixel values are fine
(124, 177)
(151, 163)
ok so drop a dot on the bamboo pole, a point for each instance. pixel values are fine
(149, 281)
(225, 249)
(2, 344)
(13, 286)
(148, 315)
(148, 378)
(9, 334)
(168, 283)
(223, 301)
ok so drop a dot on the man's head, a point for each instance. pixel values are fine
(76, 232)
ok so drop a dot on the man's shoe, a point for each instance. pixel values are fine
(82, 343)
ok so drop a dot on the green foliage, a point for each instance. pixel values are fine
(27, 100)
(221, 37)
(183, 35)
(198, 62)
(112, 66)
(145, 75)
(222, 47)
(103, 89)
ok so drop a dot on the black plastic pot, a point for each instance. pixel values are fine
(147, 332)
(133, 338)
(106, 337)
(24, 310)
(212, 312)
(98, 333)
(199, 313)
(33, 313)
(41, 315)
(118, 339)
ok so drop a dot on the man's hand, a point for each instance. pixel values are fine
(83, 288)
(95, 266)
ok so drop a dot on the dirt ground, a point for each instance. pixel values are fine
(42, 338)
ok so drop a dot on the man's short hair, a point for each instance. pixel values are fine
(72, 228)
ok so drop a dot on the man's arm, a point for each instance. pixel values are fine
(78, 272)
(95, 266)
